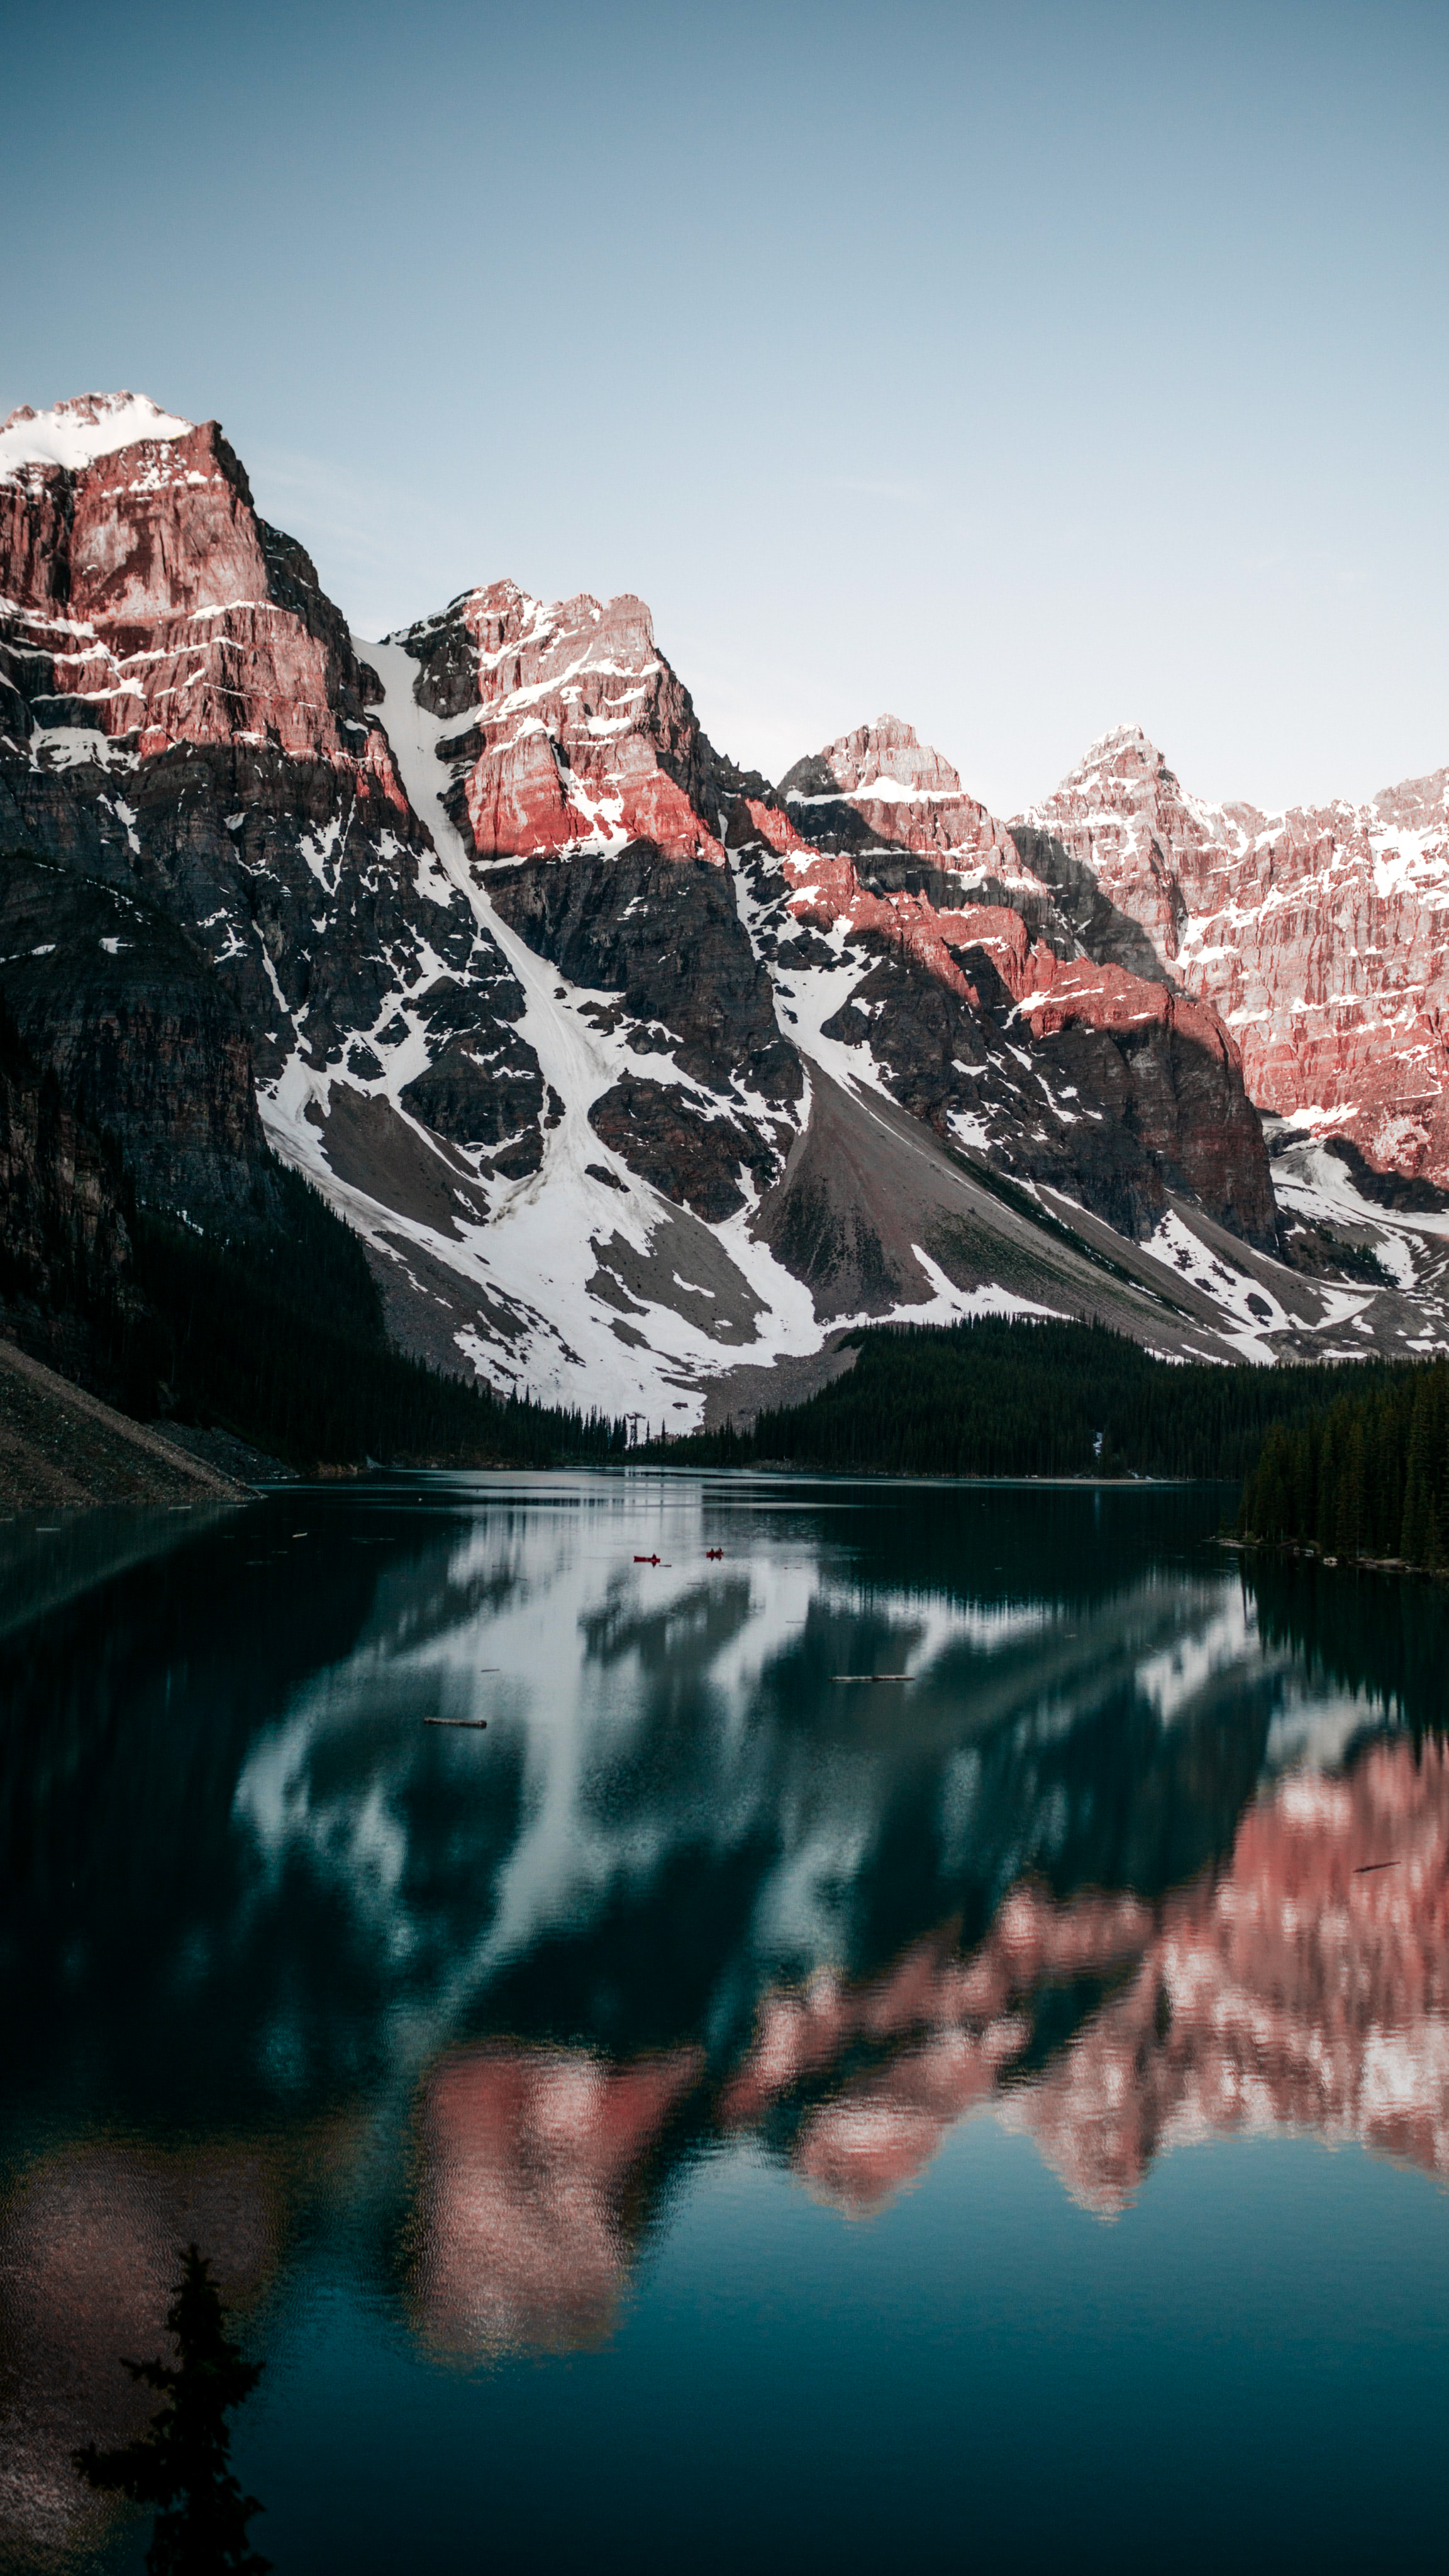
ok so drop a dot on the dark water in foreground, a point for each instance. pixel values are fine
(722, 2115)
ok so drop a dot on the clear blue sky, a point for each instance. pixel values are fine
(1024, 369)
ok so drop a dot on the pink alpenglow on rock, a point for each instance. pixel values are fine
(1304, 1987)
(907, 796)
(1049, 991)
(528, 2192)
(966, 953)
(582, 737)
(132, 560)
(1321, 935)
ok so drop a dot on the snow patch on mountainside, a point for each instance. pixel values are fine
(807, 996)
(546, 1238)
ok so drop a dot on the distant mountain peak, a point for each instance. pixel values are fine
(1123, 752)
(885, 760)
(1416, 804)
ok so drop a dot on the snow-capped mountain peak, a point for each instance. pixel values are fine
(76, 432)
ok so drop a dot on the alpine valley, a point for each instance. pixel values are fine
(641, 1079)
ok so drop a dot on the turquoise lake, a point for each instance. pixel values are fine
(916, 2035)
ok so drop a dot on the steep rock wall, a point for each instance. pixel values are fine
(583, 786)
(579, 734)
(183, 716)
(989, 1025)
(1321, 935)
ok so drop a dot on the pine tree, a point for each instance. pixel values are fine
(183, 2464)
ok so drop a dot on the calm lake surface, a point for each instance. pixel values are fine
(725, 2115)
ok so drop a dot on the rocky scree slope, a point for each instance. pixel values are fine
(638, 1078)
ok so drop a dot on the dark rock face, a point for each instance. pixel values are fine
(592, 802)
(298, 882)
(665, 935)
(1107, 1085)
(1388, 1189)
(1098, 926)
(1159, 1106)
(483, 1086)
(948, 1058)
(64, 1244)
(668, 1135)
(144, 1040)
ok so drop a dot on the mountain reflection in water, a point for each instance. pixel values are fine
(286, 1967)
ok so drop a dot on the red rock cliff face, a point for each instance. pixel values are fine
(882, 789)
(582, 781)
(531, 2160)
(165, 610)
(582, 737)
(1307, 1988)
(1320, 935)
(181, 713)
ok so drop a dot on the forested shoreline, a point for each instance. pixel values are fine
(1365, 1479)
(1000, 1396)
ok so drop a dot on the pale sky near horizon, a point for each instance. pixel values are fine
(1024, 370)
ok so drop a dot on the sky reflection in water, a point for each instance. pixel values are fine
(588, 2035)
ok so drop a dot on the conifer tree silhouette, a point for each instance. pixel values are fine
(182, 2466)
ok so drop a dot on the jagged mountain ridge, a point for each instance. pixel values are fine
(1321, 934)
(639, 1077)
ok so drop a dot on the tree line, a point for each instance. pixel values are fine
(1007, 1396)
(1385, 1643)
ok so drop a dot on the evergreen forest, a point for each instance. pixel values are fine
(1000, 1396)
(1368, 1476)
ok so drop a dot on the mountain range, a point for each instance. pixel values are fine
(641, 1078)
